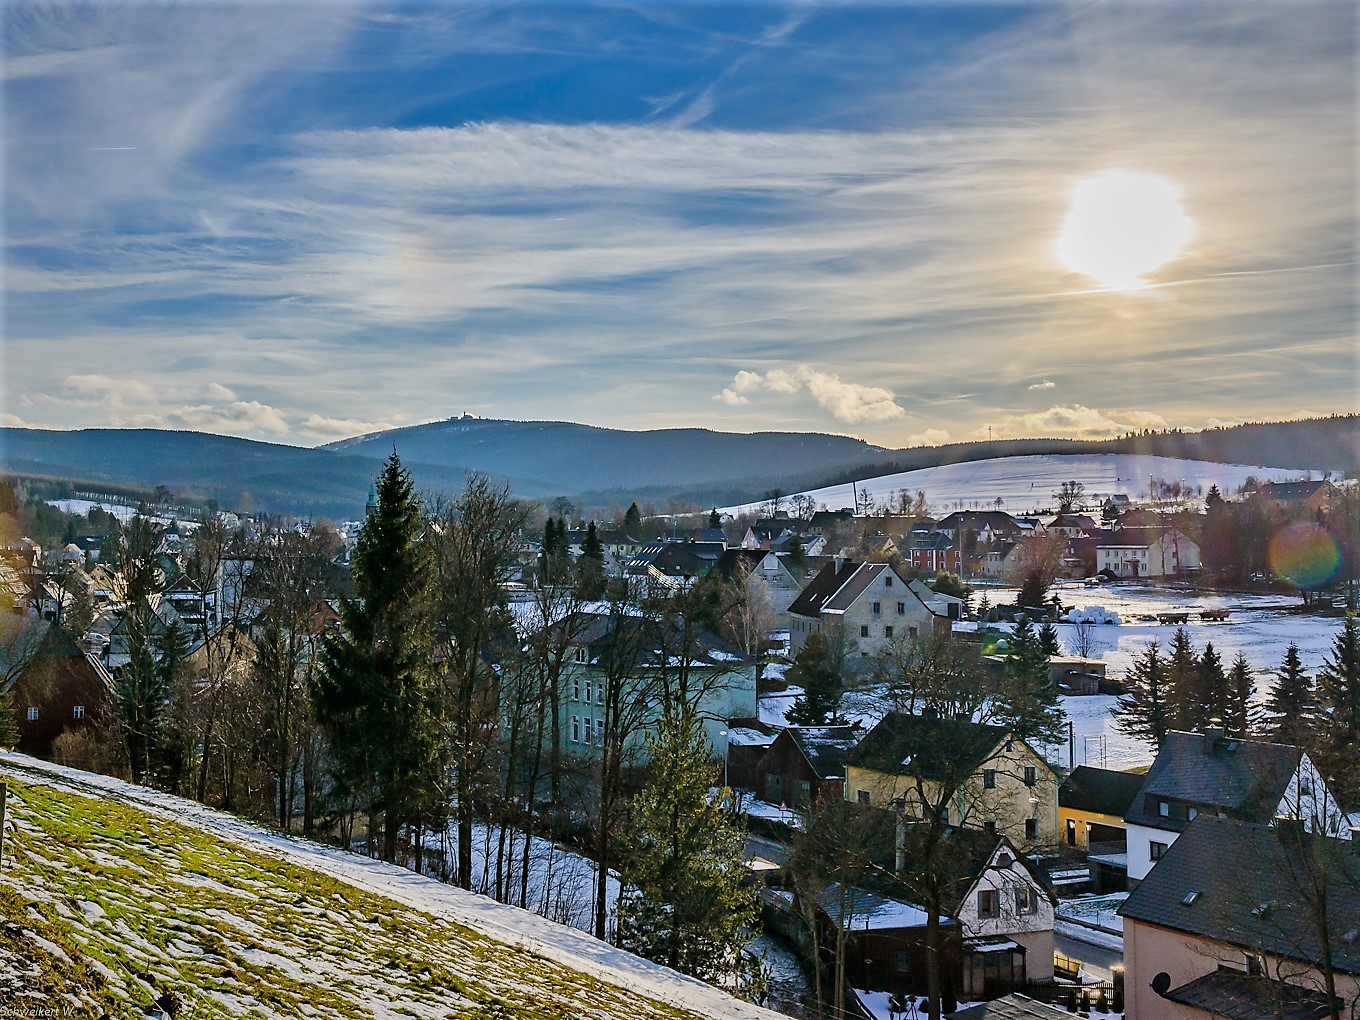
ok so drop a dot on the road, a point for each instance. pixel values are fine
(1096, 960)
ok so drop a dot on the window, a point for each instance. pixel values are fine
(877, 608)
(911, 632)
(1306, 785)
(599, 733)
(887, 582)
(582, 655)
(861, 796)
(1031, 828)
(32, 713)
(803, 793)
(989, 779)
(902, 962)
(78, 712)
(576, 729)
(599, 693)
(1025, 900)
(576, 688)
(1071, 832)
(887, 632)
(1155, 850)
(588, 691)
(1192, 813)
(901, 609)
(989, 903)
(1164, 809)
(864, 631)
(1031, 774)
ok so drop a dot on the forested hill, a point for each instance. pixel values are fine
(595, 466)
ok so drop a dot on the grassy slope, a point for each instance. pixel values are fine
(105, 907)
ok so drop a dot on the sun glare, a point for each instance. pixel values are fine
(1120, 226)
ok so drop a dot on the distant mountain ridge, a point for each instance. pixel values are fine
(594, 466)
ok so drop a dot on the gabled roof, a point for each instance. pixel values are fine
(656, 641)
(733, 560)
(1245, 778)
(1102, 791)
(861, 910)
(832, 577)
(1012, 1007)
(825, 747)
(1235, 995)
(1245, 884)
(915, 745)
(855, 586)
(1292, 490)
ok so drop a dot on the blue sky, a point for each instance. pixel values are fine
(301, 222)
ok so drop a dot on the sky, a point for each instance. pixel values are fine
(300, 222)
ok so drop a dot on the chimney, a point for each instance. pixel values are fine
(838, 561)
(1213, 735)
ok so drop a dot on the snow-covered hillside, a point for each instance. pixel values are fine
(1024, 484)
(114, 895)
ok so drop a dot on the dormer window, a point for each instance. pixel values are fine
(1164, 808)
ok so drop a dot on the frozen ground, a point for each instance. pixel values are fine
(1099, 911)
(122, 511)
(555, 943)
(1027, 484)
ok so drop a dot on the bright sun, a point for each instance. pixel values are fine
(1120, 226)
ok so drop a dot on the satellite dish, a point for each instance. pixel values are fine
(1161, 983)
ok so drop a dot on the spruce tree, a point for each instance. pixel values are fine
(591, 547)
(714, 520)
(1029, 690)
(375, 693)
(1237, 716)
(1048, 639)
(1144, 712)
(684, 901)
(1182, 681)
(815, 671)
(632, 521)
(140, 690)
(1339, 689)
(1212, 687)
(1292, 703)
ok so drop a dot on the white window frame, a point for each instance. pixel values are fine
(77, 711)
(576, 729)
(32, 713)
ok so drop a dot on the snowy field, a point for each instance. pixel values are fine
(122, 511)
(1026, 484)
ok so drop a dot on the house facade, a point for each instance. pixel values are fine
(869, 603)
(805, 765)
(1004, 787)
(1147, 552)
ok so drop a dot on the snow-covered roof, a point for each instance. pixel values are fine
(861, 910)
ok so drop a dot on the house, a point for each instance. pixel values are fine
(1005, 787)
(1148, 552)
(747, 742)
(640, 658)
(1311, 496)
(55, 688)
(756, 567)
(1071, 525)
(619, 547)
(1229, 924)
(1092, 804)
(680, 561)
(1212, 774)
(934, 552)
(870, 604)
(805, 764)
(825, 521)
(883, 941)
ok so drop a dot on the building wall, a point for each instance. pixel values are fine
(1033, 931)
(1008, 803)
(787, 762)
(1082, 819)
(1150, 950)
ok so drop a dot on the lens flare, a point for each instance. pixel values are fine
(1305, 555)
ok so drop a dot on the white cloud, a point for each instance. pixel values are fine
(238, 416)
(216, 391)
(930, 437)
(1076, 421)
(113, 392)
(321, 427)
(13, 421)
(848, 402)
(1047, 384)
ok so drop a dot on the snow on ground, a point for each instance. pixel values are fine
(122, 511)
(551, 941)
(1099, 911)
(1114, 943)
(788, 983)
(1027, 484)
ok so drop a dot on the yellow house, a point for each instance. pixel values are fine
(999, 783)
(1092, 803)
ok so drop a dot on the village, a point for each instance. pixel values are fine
(918, 838)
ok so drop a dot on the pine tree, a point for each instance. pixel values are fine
(1212, 686)
(1292, 703)
(714, 520)
(1182, 681)
(139, 690)
(815, 671)
(1048, 639)
(1029, 684)
(375, 693)
(632, 521)
(591, 547)
(684, 901)
(1237, 716)
(1339, 687)
(1033, 590)
(1144, 712)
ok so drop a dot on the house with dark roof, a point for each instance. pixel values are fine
(1012, 1007)
(667, 565)
(870, 604)
(805, 765)
(1233, 923)
(1004, 787)
(55, 687)
(1210, 773)
(757, 567)
(1092, 804)
(1312, 496)
(1147, 552)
